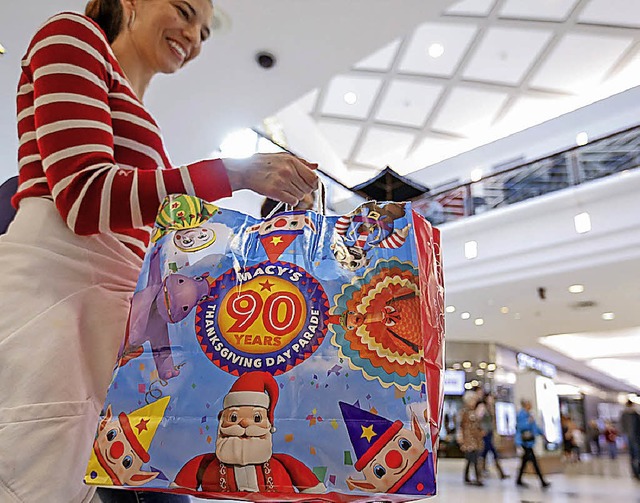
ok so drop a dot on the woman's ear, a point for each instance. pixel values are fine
(128, 8)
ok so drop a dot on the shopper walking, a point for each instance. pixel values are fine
(611, 437)
(486, 412)
(470, 438)
(526, 432)
(593, 434)
(630, 426)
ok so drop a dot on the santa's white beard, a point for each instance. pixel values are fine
(244, 451)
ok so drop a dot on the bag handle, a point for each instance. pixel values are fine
(320, 202)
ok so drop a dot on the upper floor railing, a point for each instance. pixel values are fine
(599, 158)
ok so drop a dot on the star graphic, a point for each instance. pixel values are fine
(142, 425)
(368, 433)
(266, 285)
(276, 240)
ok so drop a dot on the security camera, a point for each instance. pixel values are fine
(265, 59)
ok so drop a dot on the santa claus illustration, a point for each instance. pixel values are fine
(244, 460)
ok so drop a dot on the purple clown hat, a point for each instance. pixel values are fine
(368, 432)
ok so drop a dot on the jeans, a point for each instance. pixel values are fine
(124, 496)
(634, 456)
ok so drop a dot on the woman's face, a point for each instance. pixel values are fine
(169, 33)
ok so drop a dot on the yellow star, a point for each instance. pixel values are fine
(276, 240)
(368, 433)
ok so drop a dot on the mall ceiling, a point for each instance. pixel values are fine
(430, 79)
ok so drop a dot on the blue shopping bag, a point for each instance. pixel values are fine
(296, 358)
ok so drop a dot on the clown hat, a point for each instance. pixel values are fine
(140, 426)
(254, 389)
(368, 432)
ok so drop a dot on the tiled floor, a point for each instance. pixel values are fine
(591, 481)
(597, 480)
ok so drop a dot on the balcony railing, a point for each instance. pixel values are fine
(597, 159)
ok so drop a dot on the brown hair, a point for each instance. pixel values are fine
(108, 14)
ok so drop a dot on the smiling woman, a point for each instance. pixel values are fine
(92, 173)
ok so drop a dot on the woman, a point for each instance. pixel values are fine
(470, 438)
(93, 171)
(526, 432)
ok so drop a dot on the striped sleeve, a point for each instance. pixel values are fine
(69, 65)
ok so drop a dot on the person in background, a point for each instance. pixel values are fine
(526, 432)
(611, 437)
(486, 412)
(593, 436)
(470, 438)
(630, 426)
(568, 444)
(92, 173)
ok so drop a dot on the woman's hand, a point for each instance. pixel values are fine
(281, 176)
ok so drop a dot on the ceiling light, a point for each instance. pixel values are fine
(476, 175)
(582, 222)
(582, 138)
(467, 385)
(2, 49)
(436, 50)
(471, 249)
(456, 366)
(350, 98)
(479, 372)
(576, 288)
(465, 315)
(450, 309)
(474, 383)
(491, 367)
(478, 321)
(482, 365)
(504, 310)
(608, 316)
(466, 365)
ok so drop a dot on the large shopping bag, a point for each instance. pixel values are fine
(297, 358)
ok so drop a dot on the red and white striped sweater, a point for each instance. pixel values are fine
(87, 142)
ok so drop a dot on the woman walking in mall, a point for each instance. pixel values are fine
(486, 413)
(526, 432)
(92, 173)
(470, 438)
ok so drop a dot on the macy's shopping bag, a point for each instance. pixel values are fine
(297, 358)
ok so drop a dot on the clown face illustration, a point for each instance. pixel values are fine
(196, 239)
(349, 257)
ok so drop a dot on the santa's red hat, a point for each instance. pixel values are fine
(254, 389)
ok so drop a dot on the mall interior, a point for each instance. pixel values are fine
(515, 126)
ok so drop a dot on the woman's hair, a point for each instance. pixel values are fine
(108, 14)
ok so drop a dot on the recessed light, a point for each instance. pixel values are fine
(504, 310)
(576, 288)
(582, 222)
(476, 175)
(350, 98)
(479, 372)
(436, 50)
(478, 321)
(482, 365)
(456, 366)
(471, 249)
(608, 316)
(474, 383)
(450, 309)
(491, 367)
(582, 138)
(2, 49)
(466, 365)
(467, 385)
(465, 315)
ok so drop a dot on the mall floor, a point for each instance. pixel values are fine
(590, 481)
(593, 480)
